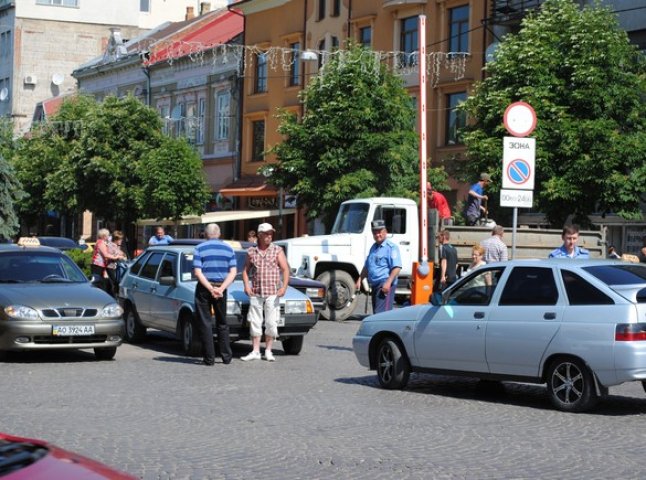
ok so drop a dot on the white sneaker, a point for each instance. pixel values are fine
(269, 356)
(251, 356)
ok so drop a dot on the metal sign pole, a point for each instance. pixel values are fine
(513, 233)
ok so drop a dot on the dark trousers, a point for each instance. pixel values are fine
(203, 303)
(113, 284)
(382, 302)
(102, 282)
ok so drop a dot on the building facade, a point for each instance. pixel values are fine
(189, 72)
(453, 31)
(42, 41)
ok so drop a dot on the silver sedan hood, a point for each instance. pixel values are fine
(47, 295)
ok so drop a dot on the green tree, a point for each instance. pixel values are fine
(587, 85)
(113, 142)
(356, 138)
(44, 163)
(110, 158)
(170, 188)
(10, 194)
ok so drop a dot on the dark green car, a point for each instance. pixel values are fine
(47, 303)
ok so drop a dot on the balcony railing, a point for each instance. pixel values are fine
(399, 3)
(511, 11)
(192, 128)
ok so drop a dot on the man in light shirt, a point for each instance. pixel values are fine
(495, 248)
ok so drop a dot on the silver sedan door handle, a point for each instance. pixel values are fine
(404, 242)
(549, 315)
(478, 315)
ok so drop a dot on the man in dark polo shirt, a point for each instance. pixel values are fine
(214, 263)
(448, 260)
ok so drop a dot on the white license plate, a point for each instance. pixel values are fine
(72, 330)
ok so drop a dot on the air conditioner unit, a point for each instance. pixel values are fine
(31, 80)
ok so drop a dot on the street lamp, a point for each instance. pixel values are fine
(267, 173)
(309, 56)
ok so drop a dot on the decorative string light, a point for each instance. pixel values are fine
(283, 58)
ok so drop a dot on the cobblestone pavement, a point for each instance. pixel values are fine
(319, 415)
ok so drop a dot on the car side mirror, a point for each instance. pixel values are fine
(168, 281)
(436, 299)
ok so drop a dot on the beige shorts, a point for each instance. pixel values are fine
(269, 307)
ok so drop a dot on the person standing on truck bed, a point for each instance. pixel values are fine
(495, 248)
(475, 198)
(438, 201)
(569, 249)
(381, 268)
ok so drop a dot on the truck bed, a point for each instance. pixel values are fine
(530, 242)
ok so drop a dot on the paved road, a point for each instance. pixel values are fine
(159, 415)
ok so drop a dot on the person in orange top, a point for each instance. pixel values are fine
(438, 201)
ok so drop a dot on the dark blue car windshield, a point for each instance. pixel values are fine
(629, 274)
(27, 266)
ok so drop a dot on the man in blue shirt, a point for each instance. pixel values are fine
(569, 249)
(381, 269)
(475, 198)
(160, 237)
(214, 263)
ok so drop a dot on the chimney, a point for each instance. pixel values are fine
(189, 13)
(205, 7)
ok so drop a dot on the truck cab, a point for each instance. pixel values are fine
(337, 259)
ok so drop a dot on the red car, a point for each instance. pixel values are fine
(29, 459)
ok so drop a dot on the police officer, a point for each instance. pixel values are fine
(381, 268)
(570, 249)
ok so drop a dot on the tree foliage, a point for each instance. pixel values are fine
(103, 157)
(356, 138)
(587, 84)
(10, 194)
(11, 191)
(170, 189)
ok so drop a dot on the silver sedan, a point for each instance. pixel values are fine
(46, 303)
(578, 326)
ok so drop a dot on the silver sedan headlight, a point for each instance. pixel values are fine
(112, 310)
(21, 312)
(233, 307)
(295, 307)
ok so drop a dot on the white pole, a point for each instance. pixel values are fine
(423, 268)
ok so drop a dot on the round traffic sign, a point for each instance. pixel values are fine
(520, 119)
(519, 171)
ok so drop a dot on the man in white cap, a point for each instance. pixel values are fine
(265, 277)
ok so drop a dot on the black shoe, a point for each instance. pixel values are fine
(207, 363)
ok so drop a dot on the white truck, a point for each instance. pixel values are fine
(337, 259)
